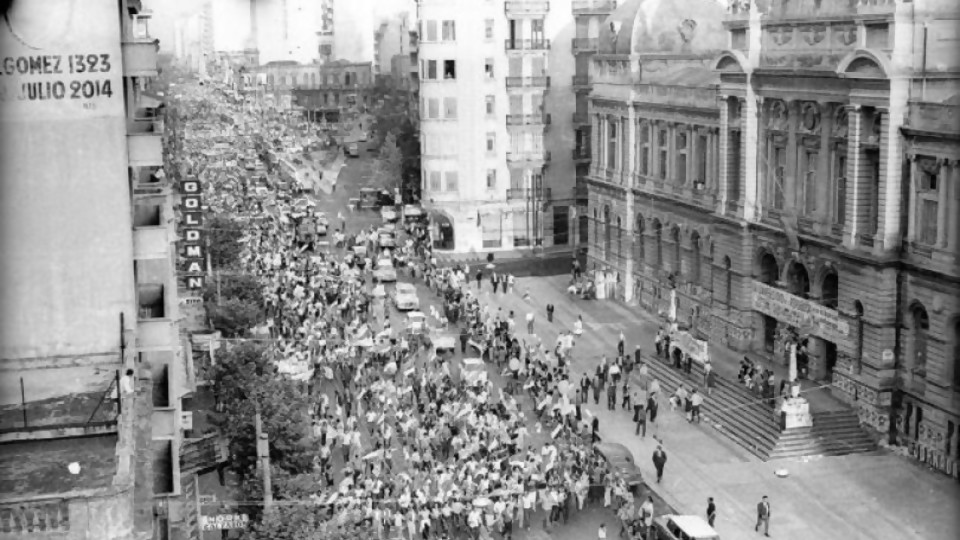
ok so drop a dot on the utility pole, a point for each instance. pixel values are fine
(263, 462)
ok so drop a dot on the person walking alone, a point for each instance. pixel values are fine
(711, 511)
(550, 313)
(763, 516)
(659, 460)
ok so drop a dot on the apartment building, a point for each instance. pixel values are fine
(790, 171)
(487, 106)
(89, 280)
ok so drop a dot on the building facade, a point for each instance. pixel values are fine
(487, 106)
(90, 287)
(792, 176)
(324, 91)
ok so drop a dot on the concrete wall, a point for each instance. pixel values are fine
(64, 203)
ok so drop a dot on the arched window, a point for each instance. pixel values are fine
(858, 312)
(638, 231)
(695, 258)
(728, 277)
(919, 328)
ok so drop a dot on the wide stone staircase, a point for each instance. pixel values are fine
(741, 416)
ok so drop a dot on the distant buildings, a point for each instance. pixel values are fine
(324, 91)
(792, 173)
(90, 284)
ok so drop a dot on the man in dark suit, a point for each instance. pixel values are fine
(659, 460)
(763, 516)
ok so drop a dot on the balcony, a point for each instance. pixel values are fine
(581, 154)
(526, 7)
(528, 119)
(526, 44)
(151, 243)
(581, 81)
(517, 194)
(140, 57)
(145, 142)
(528, 156)
(593, 7)
(583, 45)
(581, 119)
(528, 82)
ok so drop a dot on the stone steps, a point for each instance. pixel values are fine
(834, 433)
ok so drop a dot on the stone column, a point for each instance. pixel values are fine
(856, 171)
(952, 181)
(790, 177)
(943, 201)
(750, 140)
(912, 223)
(628, 218)
(596, 142)
(827, 184)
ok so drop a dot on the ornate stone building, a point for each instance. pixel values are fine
(791, 170)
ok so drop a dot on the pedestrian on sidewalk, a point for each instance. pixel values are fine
(711, 511)
(550, 313)
(463, 340)
(626, 395)
(658, 341)
(620, 345)
(494, 281)
(707, 368)
(602, 532)
(659, 460)
(479, 278)
(763, 516)
(688, 365)
(646, 516)
(597, 388)
(639, 417)
(612, 397)
(511, 281)
(614, 371)
(530, 319)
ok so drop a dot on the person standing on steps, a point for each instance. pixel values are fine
(763, 516)
(711, 511)
(659, 460)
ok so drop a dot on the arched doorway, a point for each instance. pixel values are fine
(442, 231)
(769, 273)
(829, 295)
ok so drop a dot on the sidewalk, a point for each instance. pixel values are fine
(839, 497)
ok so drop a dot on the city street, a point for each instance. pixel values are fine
(855, 496)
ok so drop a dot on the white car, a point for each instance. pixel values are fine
(385, 272)
(405, 297)
(388, 214)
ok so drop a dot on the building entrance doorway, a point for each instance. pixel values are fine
(769, 333)
(443, 237)
(829, 359)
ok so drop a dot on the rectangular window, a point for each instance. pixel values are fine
(491, 143)
(681, 152)
(435, 184)
(644, 149)
(449, 69)
(611, 144)
(431, 74)
(448, 31)
(488, 68)
(779, 172)
(491, 179)
(928, 221)
(811, 160)
(491, 105)
(431, 31)
(702, 159)
(450, 108)
(840, 173)
(662, 150)
(536, 32)
(452, 183)
(733, 169)
(488, 29)
(433, 108)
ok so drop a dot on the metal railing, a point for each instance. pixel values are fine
(585, 44)
(525, 7)
(527, 119)
(584, 7)
(515, 82)
(526, 44)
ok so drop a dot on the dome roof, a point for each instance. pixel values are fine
(664, 26)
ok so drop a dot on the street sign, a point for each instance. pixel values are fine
(221, 522)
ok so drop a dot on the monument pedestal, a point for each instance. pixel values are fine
(795, 413)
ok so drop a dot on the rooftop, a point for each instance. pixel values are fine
(33, 469)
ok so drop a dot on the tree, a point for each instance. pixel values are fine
(306, 522)
(247, 382)
(224, 234)
(389, 164)
(232, 316)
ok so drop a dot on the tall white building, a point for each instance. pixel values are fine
(489, 99)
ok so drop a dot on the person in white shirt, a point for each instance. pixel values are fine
(696, 400)
(602, 532)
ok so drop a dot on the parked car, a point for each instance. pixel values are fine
(621, 461)
(405, 297)
(412, 212)
(674, 527)
(386, 238)
(385, 272)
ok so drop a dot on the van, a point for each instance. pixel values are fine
(353, 150)
(674, 527)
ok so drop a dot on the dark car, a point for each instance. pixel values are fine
(621, 462)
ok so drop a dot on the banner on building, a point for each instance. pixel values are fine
(192, 234)
(807, 316)
(689, 345)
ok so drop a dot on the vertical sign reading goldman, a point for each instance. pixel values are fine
(192, 226)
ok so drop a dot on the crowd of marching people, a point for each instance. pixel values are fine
(408, 446)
